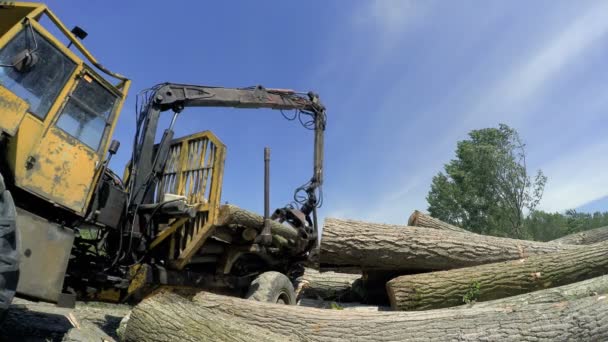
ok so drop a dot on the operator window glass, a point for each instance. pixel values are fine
(40, 85)
(87, 112)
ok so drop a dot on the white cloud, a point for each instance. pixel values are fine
(504, 85)
(576, 179)
(533, 75)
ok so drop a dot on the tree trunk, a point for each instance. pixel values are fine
(587, 237)
(498, 280)
(328, 285)
(374, 246)
(233, 215)
(581, 289)
(576, 320)
(419, 219)
(169, 317)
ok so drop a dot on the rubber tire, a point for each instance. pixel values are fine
(272, 287)
(9, 258)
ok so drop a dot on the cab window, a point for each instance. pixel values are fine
(87, 113)
(40, 84)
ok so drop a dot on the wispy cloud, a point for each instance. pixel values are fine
(510, 78)
(532, 75)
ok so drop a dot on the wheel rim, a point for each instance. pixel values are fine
(283, 299)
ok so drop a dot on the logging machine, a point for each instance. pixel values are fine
(70, 227)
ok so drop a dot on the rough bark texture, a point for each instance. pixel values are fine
(233, 215)
(587, 237)
(169, 317)
(583, 319)
(349, 306)
(328, 285)
(498, 280)
(390, 247)
(586, 288)
(420, 219)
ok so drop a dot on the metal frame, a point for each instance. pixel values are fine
(195, 169)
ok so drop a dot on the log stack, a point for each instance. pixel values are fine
(446, 282)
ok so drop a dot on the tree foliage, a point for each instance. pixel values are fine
(487, 188)
(543, 226)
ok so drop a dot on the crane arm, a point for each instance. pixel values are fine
(148, 162)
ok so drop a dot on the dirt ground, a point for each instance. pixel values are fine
(34, 321)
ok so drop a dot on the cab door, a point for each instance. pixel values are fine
(63, 166)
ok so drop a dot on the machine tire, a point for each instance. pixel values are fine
(9, 258)
(272, 287)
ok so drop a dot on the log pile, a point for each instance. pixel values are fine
(442, 282)
(587, 237)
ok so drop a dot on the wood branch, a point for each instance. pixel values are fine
(232, 215)
(587, 237)
(328, 285)
(574, 320)
(498, 280)
(420, 219)
(390, 247)
(169, 317)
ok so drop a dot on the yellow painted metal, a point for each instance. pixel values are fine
(111, 295)
(138, 273)
(45, 160)
(168, 231)
(12, 111)
(61, 169)
(195, 170)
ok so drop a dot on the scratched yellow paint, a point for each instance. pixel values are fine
(45, 160)
(12, 111)
(22, 143)
(61, 169)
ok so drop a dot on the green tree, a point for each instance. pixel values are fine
(487, 188)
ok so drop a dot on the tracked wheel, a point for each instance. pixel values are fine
(9, 262)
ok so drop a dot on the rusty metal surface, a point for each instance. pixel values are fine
(44, 250)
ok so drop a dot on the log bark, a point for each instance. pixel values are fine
(587, 237)
(232, 215)
(581, 319)
(420, 219)
(493, 281)
(586, 288)
(373, 246)
(169, 317)
(328, 285)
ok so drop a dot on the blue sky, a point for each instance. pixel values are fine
(402, 81)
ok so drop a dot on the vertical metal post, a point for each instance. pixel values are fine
(265, 237)
(266, 184)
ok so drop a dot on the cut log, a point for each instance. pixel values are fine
(587, 237)
(576, 320)
(169, 317)
(355, 306)
(586, 288)
(233, 215)
(373, 246)
(582, 289)
(328, 285)
(420, 219)
(492, 281)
